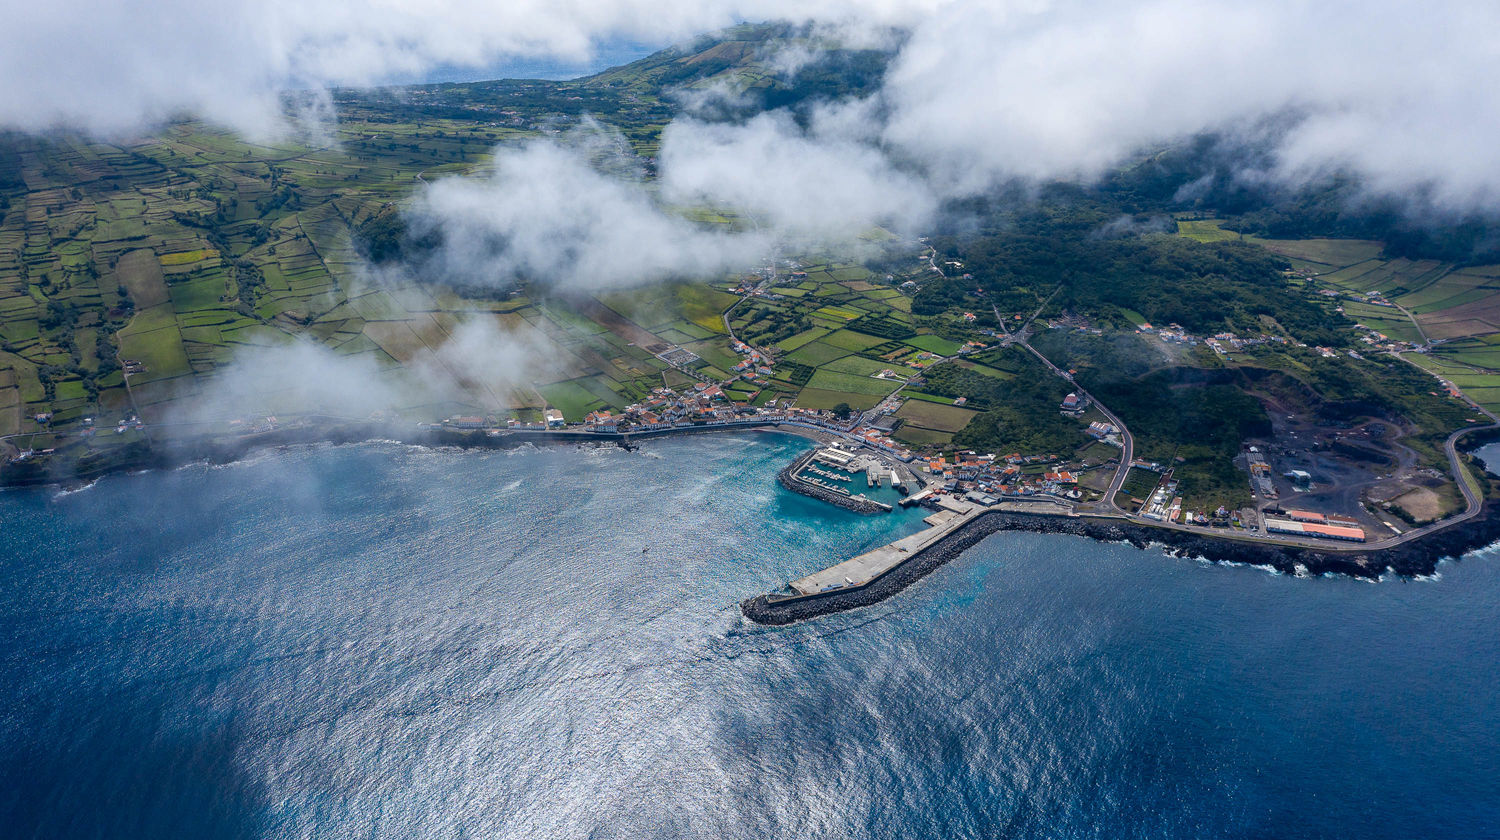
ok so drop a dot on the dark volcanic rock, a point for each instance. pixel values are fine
(1417, 557)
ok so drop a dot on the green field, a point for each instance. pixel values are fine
(934, 344)
(854, 341)
(857, 365)
(816, 353)
(827, 379)
(1205, 230)
(935, 416)
(804, 337)
(1335, 253)
(920, 436)
(820, 399)
(573, 399)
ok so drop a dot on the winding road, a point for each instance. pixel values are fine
(1473, 502)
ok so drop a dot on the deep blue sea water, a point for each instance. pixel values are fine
(385, 642)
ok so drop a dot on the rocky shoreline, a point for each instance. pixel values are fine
(224, 450)
(784, 477)
(1416, 558)
(1412, 559)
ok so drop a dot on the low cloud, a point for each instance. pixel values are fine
(980, 92)
(817, 184)
(575, 214)
(116, 68)
(1066, 90)
(545, 213)
(476, 365)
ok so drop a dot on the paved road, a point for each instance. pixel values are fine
(1473, 503)
(1127, 451)
(1414, 322)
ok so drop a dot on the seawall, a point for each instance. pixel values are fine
(1418, 557)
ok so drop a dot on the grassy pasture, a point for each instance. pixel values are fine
(1205, 230)
(857, 365)
(826, 379)
(1440, 289)
(140, 273)
(922, 436)
(187, 257)
(854, 341)
(839, 312)
(1331, 252)
(816, 353)
(802, 338)
(934, 344)
(1349, 276)
(1487, 358)
(931, 415)
(572, 398)
(160, 350)
(817, 398)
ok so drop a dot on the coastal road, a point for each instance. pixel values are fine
(1473, 502)
(1473, 505)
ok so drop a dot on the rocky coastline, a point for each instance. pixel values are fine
(1412, 559)
(1415, 558)
(226, 449)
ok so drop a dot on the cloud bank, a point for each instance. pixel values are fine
(111, 67)
(543, 212)
(982, 91)
(1066, 89)
(982, 94)
(477, 364)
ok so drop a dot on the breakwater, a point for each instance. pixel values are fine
(787, 477)
(1415, 558)
(786, 609)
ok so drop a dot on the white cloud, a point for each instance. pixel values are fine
(982, 91)
(477, 364)
(542, 212)
(815, 185)
(114, 67)
(1066, 89)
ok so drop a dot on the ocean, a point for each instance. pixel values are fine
(382, 641)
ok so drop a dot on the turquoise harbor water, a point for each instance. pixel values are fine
(377, 641)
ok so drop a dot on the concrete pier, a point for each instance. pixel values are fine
(859, 571)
